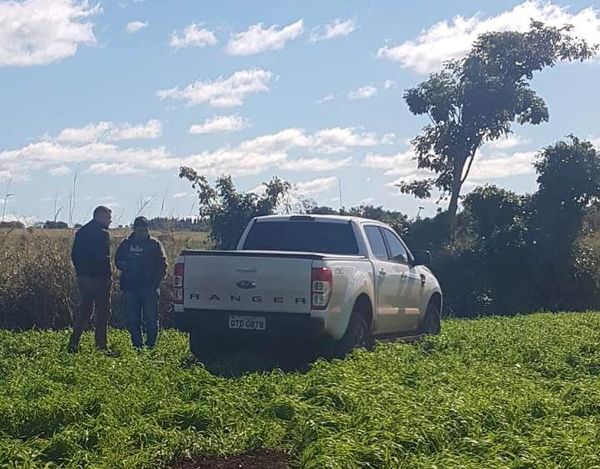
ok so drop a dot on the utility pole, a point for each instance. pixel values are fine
(340, 186)
(6, 197)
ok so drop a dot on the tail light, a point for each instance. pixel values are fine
(321, 286)
(178, 283)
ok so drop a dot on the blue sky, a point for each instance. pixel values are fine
(120, 93)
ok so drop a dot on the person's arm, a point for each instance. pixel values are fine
(76, 252)
(161, 263)
(121, 256)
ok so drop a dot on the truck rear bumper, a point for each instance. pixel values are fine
(279, 326)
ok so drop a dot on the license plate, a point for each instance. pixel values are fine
(255, 323)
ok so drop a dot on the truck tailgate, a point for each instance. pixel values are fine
(248, 282)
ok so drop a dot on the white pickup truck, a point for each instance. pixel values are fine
(347, 280)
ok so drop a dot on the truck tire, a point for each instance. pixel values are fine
(201, 344)
(432, 322)
(357, 336)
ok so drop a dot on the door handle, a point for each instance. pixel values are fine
(382, 273)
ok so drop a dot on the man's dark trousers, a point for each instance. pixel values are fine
(95, 302)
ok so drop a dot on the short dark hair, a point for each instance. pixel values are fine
(140, 222)
(101, 209)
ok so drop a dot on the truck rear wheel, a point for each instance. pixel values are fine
(357, 336)
(432, 322)
(201, 344)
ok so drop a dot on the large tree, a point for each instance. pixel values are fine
(476, 99)
(229, 211)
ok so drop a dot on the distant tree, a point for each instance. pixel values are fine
(397, 220)
(569, 184)
(569, 188)
(12, 225)
(321, 210)
(493, 210)
(477, 98)
(229, 211)
(177, 224)
(55, 225)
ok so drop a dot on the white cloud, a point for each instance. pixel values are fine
(340, 139)
(259, 39)
(483, 169)
(324, 99)
(316, 186)
(150, 130)
(27, 221)
(40, 32)
(234, 161)
(60, 171)
(315, 164)
(272, 151)
(220, 124)
(136, 26)
(193, 36)
(364, 92)
(89, 133)
(389, 139)
(281, 141)
(399, 164)
(110, 131)
(113, 168)
(338, 28)
(223, 92)
(387, 84)
(180, 195)
(506, 143)
(517, 164)
(595, 141)
(9, 174)
(451, 39)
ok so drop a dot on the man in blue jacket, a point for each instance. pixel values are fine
(91, 258)
(143, 265)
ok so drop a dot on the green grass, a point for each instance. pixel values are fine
(522, 392)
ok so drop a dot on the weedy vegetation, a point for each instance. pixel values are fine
(495, 392)
(37, 282)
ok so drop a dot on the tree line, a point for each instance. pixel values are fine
(504, 252)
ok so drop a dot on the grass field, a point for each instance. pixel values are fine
(522, 392)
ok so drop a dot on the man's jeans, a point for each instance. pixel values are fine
(141, 308)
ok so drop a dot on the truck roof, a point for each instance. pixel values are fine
(331, 218)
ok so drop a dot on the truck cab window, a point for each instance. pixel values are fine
(397, 250)
(376, 242)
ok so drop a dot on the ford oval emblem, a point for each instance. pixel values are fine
(246, 284)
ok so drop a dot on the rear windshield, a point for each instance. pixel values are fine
(302, 236)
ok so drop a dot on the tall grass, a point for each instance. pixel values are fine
(520, 392)
(37, 281)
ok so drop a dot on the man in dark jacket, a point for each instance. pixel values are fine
(91, 258)
(143, 265)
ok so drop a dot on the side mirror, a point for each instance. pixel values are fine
(422, 257)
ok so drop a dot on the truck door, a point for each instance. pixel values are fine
(411, 285)
(388, 283)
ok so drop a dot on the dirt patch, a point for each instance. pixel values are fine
(264, 459)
